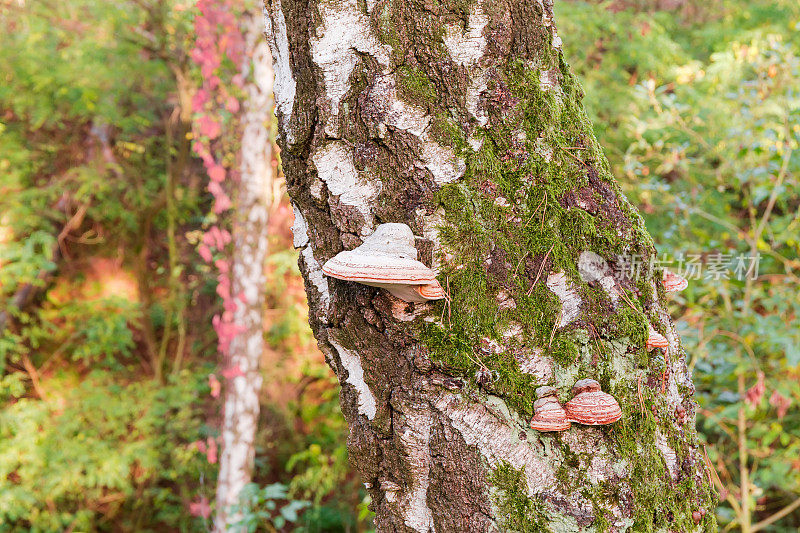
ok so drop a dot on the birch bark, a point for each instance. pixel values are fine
(461, 119)
(241, 407)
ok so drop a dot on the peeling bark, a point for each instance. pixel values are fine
(462, 120)
(241, 407)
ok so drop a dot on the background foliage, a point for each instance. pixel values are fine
(698, 107)
(107, 421)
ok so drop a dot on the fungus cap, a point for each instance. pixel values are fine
(430, 291)
(544, 422)
(549, 415)
(354, 265)
(545, 391)
(591, 406)
(656, 340)
(586, 385)
(387, 259)
(674, 282)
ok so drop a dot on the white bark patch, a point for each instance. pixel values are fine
(475, 143)
(316, 188)
(594, 269)
(442, 163)
(505, 301)
(497, 440)
(476, 87)
(589, 442)
(403, 313)
(440, 160)
(532, 362)
(343, 33)
(670, 458)
(285, 86)
(431, 224)
(570, 301)
(299, 229)
(355, 377)
(466, 48)
(393, 111)
(548, 80)
(415, 434)
(543, 150)
(318, 279)
(334, 163)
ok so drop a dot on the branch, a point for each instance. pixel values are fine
(777, 516)
(34, 375)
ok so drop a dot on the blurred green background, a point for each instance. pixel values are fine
(103, 428)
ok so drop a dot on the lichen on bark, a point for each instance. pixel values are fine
(462, 120)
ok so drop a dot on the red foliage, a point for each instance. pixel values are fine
(756, 392)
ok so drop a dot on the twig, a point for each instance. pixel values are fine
(544, 199)
(34, 375)
(715, 480)
(520, 262)
(776, 516)
(544, 212)
(573, 156)
(624, 296)
(555, 324)
(641, 399)
(541, 268)
(73, 223)
(449, 304)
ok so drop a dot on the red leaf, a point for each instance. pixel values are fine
(233, 372)
(215, 385)
(200, 507)
(217, 173)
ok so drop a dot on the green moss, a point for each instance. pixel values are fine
(447, 132)
(414, 86)
(519, 511)
(510, 221)
(503, 220)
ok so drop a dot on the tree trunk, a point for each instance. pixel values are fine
(462, 120)
(240, 418)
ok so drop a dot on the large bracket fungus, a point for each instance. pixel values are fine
(549, 415)
(388, 259)
(591, 406)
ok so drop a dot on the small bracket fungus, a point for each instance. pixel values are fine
(591, 406)
(431, 291)
(548, 415)
(674, 282)
(655, 340)
(388, 259)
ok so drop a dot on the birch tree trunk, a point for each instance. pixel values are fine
(241, 408)
(462, 120)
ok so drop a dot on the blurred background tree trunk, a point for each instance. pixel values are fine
(463, 121)
(250, 237)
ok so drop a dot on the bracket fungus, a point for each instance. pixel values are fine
(674, 282)
(388, 259)
(431, 291)
(548, 415)
(591, 406)
(655, 340)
